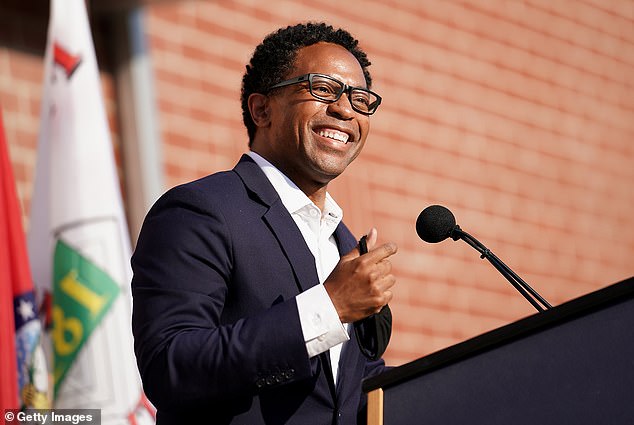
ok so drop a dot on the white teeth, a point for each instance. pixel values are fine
(334, 134)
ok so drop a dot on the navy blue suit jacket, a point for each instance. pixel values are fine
(218, 340)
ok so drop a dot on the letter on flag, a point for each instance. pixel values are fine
(78, 240)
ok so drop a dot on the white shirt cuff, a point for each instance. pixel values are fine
(320, 322)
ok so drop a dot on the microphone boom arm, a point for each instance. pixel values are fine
(522, 287)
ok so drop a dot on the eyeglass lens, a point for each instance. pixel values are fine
(330, 90)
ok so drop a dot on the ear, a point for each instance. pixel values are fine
(259, 109)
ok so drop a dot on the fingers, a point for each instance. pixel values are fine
(384, 267)
(383, 280)
(360, 285)
(381, 252)
(374, 255)
(372, 238)
(380, 281)
(387, 297)
(382, 294)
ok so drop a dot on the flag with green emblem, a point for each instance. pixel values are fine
(79, 246)
(82, 294)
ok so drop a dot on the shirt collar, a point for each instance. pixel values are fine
(291, 196)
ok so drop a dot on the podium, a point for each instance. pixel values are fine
(572, 364)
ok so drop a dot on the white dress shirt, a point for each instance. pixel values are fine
(319, 320)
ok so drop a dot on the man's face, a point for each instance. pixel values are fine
(313, 142)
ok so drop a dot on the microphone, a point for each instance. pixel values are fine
(436, 223)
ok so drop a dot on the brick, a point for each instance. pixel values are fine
(515, 115)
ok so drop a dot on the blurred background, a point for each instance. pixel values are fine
(516, 115)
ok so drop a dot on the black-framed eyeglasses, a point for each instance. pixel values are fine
(329, 89)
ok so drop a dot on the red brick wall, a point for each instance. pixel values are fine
(517, 115)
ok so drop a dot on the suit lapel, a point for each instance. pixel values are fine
(280, 222)
(295, 249)
(293, 245)
(290, 239)
(345, 240)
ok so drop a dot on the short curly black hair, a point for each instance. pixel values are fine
(275, 57)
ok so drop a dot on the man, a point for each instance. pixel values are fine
(245, 281)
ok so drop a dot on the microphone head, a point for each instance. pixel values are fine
(435, 224)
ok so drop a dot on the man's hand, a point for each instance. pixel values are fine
(360, 284)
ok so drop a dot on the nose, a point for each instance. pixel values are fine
(342, 108)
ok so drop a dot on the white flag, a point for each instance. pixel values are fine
(78, 241)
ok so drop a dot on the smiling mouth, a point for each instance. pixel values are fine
(334, 135)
